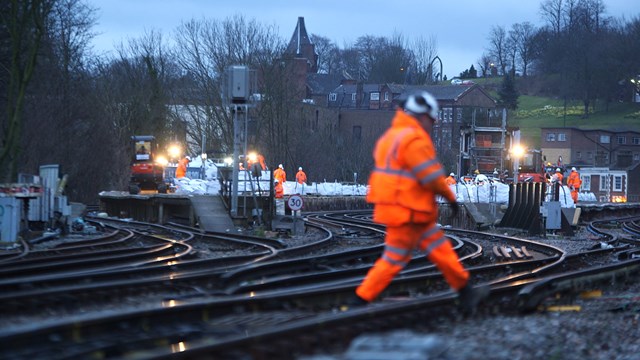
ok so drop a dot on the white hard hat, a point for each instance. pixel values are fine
(280, 166)
(422, 103)
(300, 168)
(188, 157)
(573, 169)
(452, 174)
(558, 170)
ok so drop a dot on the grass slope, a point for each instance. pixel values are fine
(536, 112)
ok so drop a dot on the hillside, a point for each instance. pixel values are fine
(535, 112)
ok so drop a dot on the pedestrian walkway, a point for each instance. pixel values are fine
(211, 214)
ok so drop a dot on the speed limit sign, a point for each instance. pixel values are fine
(295, 202)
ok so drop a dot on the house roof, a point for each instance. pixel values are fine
(323, 83)
(440, 92)
(443, 93)
(608, 130)
(299, 39)
(352, 88)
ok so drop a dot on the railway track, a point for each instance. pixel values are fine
(301, 289)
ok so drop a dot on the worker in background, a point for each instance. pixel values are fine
(301, 179)
(181, 170)
(255, 158)
(279, 174)
(263, 163)
(279, 190)
(241, 166)
(574, 182)
(403, 187)
(451, 179)
(557, 177)
(279, 197)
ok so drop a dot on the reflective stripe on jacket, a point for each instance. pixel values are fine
(407, 175)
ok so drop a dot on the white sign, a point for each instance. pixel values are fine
(295, 202)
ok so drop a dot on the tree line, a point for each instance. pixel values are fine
(577, 54)
(67, 105)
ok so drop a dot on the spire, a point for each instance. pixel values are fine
(300, 39)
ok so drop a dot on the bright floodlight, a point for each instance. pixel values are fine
(253, 157)
(228, 160)
(174, 151)
(162, 160)
(517, 151)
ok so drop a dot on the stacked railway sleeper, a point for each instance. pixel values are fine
(147, 291)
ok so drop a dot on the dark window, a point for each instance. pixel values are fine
(357, 133)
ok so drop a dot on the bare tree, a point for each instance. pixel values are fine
(511, 49)
(425, 51)
(204, 50)
(328, 53)
(524, 35)
(25, 23)
(551, 11)
(485, 64)
(498, 47)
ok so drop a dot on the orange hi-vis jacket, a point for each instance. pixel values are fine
(280, 175)
(279, 190)
(301, 177)
(574, 180)
(181, 170)
(407, 175)
(451, 180)
(559, 177)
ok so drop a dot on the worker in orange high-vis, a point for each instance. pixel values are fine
(301, 180)
(403, 187)
(557, 177)
(301, 177)
(451, 179)
(574, 182)
(279, 174)
(181, 170)
(279, 190)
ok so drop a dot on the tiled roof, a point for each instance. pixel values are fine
(323, 83)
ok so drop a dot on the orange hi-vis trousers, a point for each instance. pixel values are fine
(574, 195)
(400, 242)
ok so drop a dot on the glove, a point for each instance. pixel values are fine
(455, 208)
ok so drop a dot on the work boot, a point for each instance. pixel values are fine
(353, 301)
(469, 297)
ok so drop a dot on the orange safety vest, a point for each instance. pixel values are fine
(574, 180)
(407, 175)
(451, 181)
(181, 170)
(559, 177)
(262, 162)
(280, 175)
(279, 190)
(301, 177)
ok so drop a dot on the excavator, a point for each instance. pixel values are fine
(146, 172)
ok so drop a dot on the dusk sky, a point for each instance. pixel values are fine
(460, 27)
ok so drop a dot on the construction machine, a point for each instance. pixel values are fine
(146, 172)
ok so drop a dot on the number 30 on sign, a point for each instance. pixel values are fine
(295, 202)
